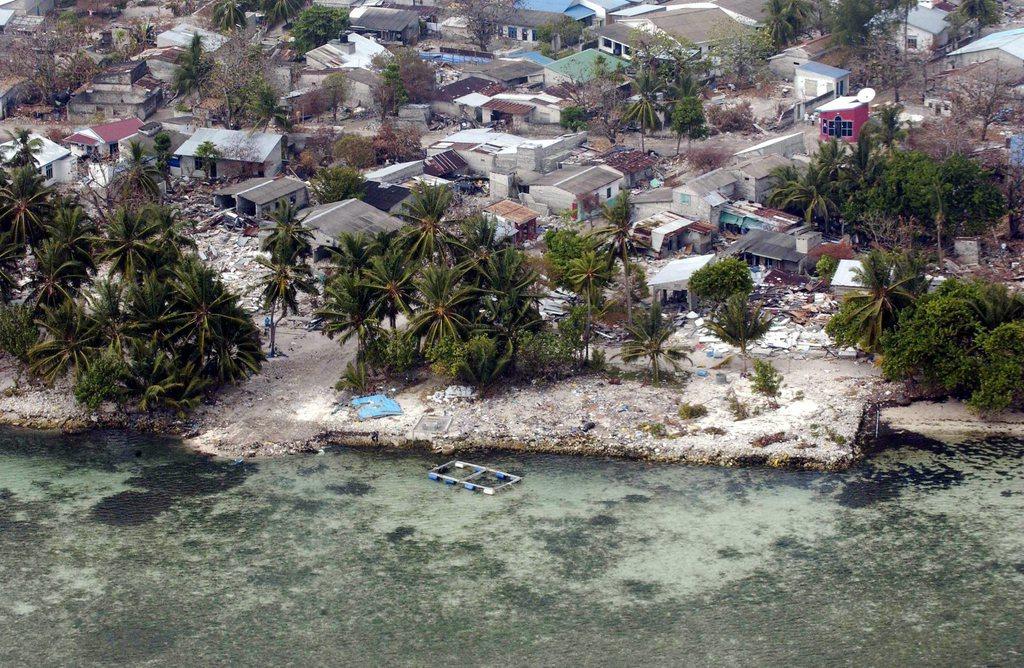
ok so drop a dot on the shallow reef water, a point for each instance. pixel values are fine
(117, 548)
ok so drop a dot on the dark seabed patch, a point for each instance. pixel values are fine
(350, 488)
(400, 533)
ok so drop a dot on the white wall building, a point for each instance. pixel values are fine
(54, 162)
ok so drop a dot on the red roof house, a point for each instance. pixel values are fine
(102, 140)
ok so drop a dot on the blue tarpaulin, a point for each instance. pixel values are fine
(375, 406)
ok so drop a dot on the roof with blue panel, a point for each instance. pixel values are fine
(556, 6)
(579, 12)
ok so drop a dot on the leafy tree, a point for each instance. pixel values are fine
(103, 378)
(739, 323)
(162, 149)
(389, 93)
(718, 281)
(826, 267)
(355, 151)
(850, 22)
(688, 121)
(649, 339)
(566, 29)
(263, 106)
(336, 88)
(986, 12)
(740, 52)
(334, 184)
(562, 247)
(206, 157)
(573, 118)
(785, 20)
(229, 15)
(317, 25)
(1001, 381)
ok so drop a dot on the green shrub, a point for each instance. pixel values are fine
(485, 361)
(598, 360)
(356, 378)
(688, 411)
(574, 119)
(826, 268)
(564, 246)
(103, 379)
(546, 353)
(18, 331)
(739, 409)
(767, 380)
(718, 281)
(446, 357)
(392, 352)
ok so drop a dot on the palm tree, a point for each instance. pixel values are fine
(509, 302)
(987, 12)
(426, 209)
(739, 323)
(140, 175)
(57, 277)
(106, 310)
(937, 200)
(279, 11)
(812, 194)
(996, 305)
(160, 380)
(228, 15)
(390, 279)
(644, 111)
(209, 326)
(264, 107)
(442, 301)
(352, 252)
(478, 243)
(132, 245)
(349, 311)
(24, 148)
(289, 238)
(589, 274)
(885, 290)
(779, 22)
(25, 206)
(282, 283)
(831, 158)
(69, 341)
(617, 236)
(194, 69)
(147, 309)
(887, 125)
(74, 234)
(863, 165)
(648, 339)
(10, 255)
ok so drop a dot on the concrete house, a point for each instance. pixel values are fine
(445, 97)
(181, 36)
(104, 140)
(754, 178)
(390, 26)
(355, 51)
(522, 24)
(844, 279)
(615, 40)
(702, 198)
(581, 189)
(927, 30)
(813, 80)
(239, 153)
(117, 92)
(775, 250)
(636, 166)
(54, 162)
(741, 217)
(486, 151)
(785, 62)
(262, 197)
(514, 221)
(28, 7)
(672, 282)
(352, 216)
(508, 73)
(1005, 47)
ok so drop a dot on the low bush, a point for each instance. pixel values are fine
(739, 409)
(446, 357)
(706, 158)
(103, 379)
(392, 352)
(689, 411)
(18, 331)
(485, 360)
(767, 380)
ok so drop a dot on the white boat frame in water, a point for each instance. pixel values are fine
(471, 481)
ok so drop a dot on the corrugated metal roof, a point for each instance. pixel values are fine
(384, 19)
(351, 215)
(509, 107)
(1010, 41)
(582, 66)
(263, 190)
(444, 163)
(579, 12)
(580, 180)
(512, 211)
(823, 70)
(233, 144)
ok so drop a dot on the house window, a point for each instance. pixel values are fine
(49, 172)
(606, 42)
(526, 35)
(511, 32)
(684, 198)
(842, 88)
(836, 127)
(608, 193)
(912, 42)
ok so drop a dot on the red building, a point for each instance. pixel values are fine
(842, 119)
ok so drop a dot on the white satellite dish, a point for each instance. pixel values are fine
(866, 95)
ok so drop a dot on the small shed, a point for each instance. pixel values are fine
(514, 220)
(261, 197)
(672, 283)
(844, 279)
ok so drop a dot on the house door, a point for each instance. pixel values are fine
(213, 170)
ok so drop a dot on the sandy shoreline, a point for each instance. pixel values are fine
(292, 407)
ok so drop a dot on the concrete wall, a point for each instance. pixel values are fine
(553, 197)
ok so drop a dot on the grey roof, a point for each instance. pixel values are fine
(618, 32)
(234, 144)
(351, 215)
(930, 20)
(532, 18)
(580, 180)
(263, 190)
(506, 70)
(384, 19)
(772, 245)
(696, 25)
(662, 194)
(761, 167)
(713, 180)
(752, 9)
(823, 69)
